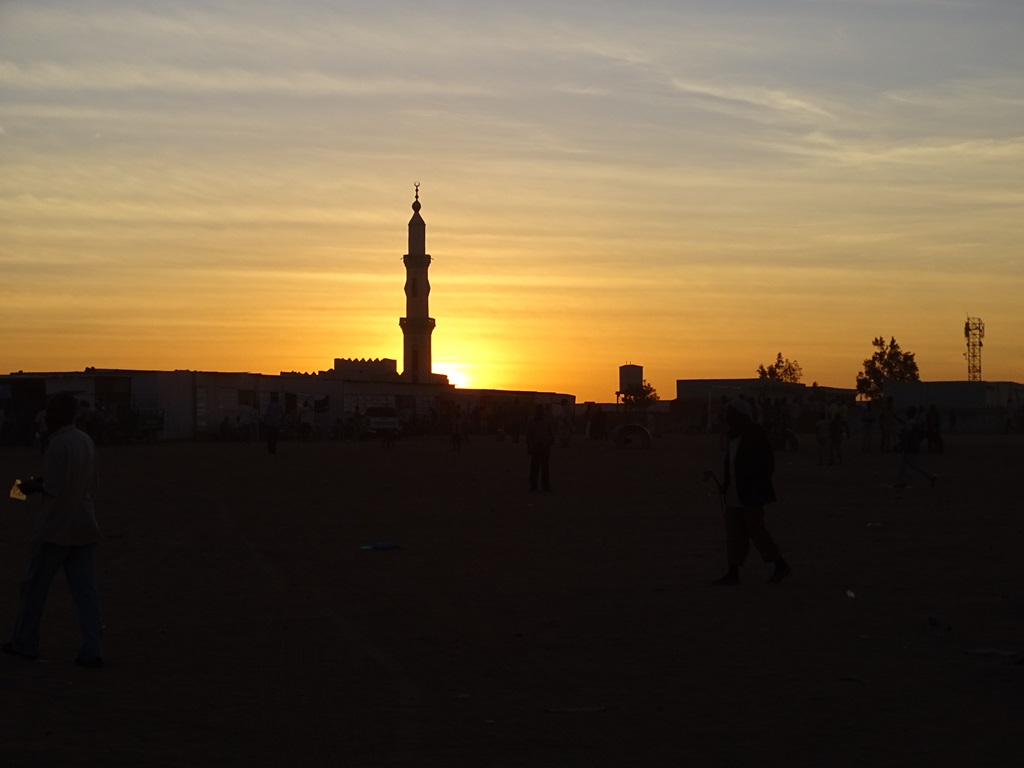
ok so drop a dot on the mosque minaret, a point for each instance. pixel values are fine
(417, 325)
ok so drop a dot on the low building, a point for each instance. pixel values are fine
(123, 405)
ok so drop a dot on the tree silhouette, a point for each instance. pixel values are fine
(888, 363)
(781, 370)
(638, 396)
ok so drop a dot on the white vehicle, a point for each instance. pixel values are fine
(381, 420)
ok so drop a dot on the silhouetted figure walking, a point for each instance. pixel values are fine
(747, 487)
(933, 430)
(65, 536)
(539, 437)
(910, 447)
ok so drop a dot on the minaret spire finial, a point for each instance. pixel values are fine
(416, 202)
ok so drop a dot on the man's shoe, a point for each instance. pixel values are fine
(728, 580)
(94, 663)
(9, 648)
(782, 570)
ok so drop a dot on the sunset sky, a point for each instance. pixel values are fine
(688, 186)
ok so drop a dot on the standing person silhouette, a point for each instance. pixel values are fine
(458, 429)
(65, 536)
(886, 424)
(272, 419)
(539, 436)
(910, 447)
(747, 487)
(306, 421)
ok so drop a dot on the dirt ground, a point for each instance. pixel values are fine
(339, 604)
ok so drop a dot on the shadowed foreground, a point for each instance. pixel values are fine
(247, 625)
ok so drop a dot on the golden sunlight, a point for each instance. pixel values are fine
(462, 375)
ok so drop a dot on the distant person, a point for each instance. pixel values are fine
(565, 419)
(836, 429)
(458, 433)
(747, 487)
(910, 446)
(65, 536)
(868, 417)
(104, 421)
(247, 422)
(539, 438)
(794, 415)
(42, 435)
(933, 430)
(887, 421)
(844, 416)
(516, 421)
(306, 420)
(721, 423)
(86, 418)
(821, 432)
(272, 418)
(600, 429)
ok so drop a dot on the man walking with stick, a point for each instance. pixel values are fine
(745, 489)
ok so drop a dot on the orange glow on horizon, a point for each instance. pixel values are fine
(181, 201)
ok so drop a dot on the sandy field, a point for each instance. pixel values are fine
(339, 604)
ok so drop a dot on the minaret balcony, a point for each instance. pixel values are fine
(416, 260)
(417, 324)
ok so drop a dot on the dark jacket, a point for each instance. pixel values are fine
(539, 436)
(755, 463)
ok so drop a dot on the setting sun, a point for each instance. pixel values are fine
(459, 374)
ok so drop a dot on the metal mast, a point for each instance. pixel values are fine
(974, 332)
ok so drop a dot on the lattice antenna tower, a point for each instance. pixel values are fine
(974, 332)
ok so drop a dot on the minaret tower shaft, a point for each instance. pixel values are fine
(417, 325)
